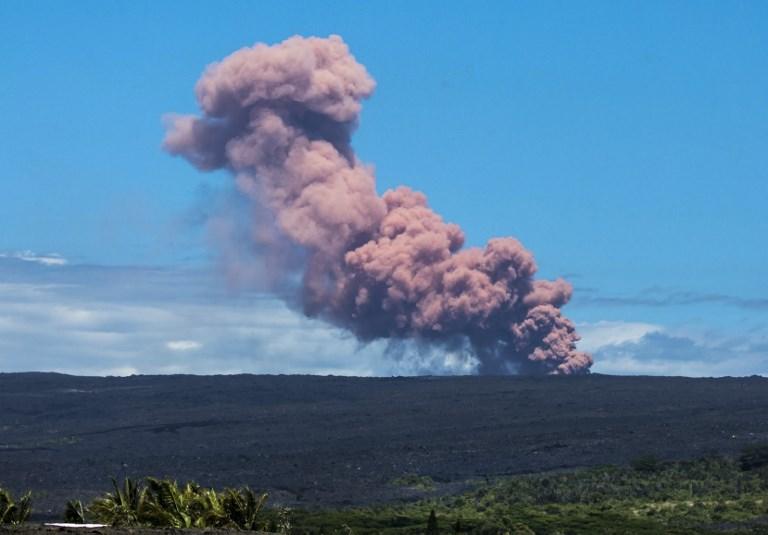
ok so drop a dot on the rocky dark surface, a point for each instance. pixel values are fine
(318, 441)
(41, 529)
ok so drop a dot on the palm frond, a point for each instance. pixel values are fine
(13, 512)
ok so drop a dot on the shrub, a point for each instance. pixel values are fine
(432, 523)
(753, 457)
(74, 512)
(521, 529)
(647, 464)
(13, 512)
(185, 507)
(243, 508)
(123, 507)
(414, 481)
(163, 503)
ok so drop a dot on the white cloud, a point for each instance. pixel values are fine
(69, 315)
(660, 353)
(121, 321)
(121, 371)
(183, 345)
(105, 321)
(52, 259)
(606, 333)
(637, 348)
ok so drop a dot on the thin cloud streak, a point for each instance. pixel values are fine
(52, 259)
(655, 297)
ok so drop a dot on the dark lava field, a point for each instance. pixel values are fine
(320, 441)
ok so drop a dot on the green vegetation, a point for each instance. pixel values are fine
(14, 512)
(709, 495)
(647, 463)
(649, 497)
(123, 507)
(74, 512)
(754, 457)
(414, 481)
(432, 528)
(164, 503)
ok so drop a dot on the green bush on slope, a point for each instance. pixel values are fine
(754, 457)
(710, 495)
(674, 498)
(14, 512)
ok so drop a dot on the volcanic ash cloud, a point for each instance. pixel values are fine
(280, 119)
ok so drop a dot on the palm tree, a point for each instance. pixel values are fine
(212, 510)
(164, 503)
(123, 507)
(12, 512)
(242, 507)
(172, 506)
(75, 512)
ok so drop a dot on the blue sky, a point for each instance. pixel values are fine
(624, 143)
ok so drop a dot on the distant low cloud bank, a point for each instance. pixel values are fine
(97, 320)
(628, 348)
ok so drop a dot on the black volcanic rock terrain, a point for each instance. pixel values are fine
(334, 440)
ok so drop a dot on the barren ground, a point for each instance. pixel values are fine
(319, 441)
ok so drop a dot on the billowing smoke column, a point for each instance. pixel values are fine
(280, 119)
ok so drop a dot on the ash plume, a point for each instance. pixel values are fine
(280, 119)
